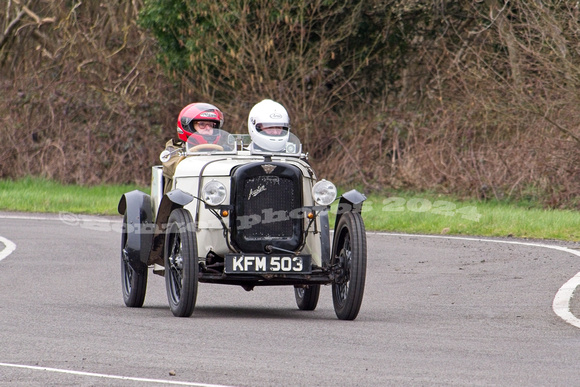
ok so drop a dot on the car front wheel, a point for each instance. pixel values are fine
(350, 254)
(181, 263)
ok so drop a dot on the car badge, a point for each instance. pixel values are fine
(255, 192)
(268, 168)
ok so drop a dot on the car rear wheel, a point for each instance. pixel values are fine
(134, 282)
(307, 297)
(350, 253)
(181, 263)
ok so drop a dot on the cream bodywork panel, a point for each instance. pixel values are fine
(209, 230)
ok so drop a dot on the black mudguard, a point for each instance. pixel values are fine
(140, 227)
(170, 201)
(351, 201)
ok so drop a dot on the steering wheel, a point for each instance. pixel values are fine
(200, 147)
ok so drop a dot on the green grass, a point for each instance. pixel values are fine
(406, 212)
(434, 214)
(41, 195)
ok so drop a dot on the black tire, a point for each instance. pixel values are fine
(181, 263)
(133, 283)
(307, 297)
(350, 251)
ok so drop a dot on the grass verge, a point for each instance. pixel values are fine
(40, 195)
(432, 214)
(400, 212)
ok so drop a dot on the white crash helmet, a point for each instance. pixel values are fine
(265, 114)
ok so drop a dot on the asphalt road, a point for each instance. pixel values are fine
(436, 311)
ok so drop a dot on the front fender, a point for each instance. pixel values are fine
(351, 201)
(136, 206)
(171, 200)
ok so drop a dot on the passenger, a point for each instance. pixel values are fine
(196, 125)
(269, 126)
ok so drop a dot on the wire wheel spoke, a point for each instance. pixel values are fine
(345, 259)
(175, 271)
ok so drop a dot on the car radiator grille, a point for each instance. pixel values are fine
(267, 200)
(272, 199)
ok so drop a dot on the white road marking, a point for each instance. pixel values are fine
(561, 302)
(62, 216)
(29, 217)
(9, 247)
(106, 376)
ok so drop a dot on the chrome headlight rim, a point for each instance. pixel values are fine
(324, 192)
(214, 193)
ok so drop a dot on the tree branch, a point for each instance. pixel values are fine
(11, 26)
(562, 129)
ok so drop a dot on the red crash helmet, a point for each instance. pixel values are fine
(198, 111)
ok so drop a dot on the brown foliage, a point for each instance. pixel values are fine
(83, 98)
(496, 111)
(486, 105)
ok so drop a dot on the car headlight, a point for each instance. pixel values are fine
(214, 193)
(290, 148)
(324, 192)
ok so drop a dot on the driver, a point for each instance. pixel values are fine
(197, 124)
(269, 126)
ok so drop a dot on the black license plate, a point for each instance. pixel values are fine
(267, 264)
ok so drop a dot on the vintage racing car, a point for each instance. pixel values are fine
(237, 215)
